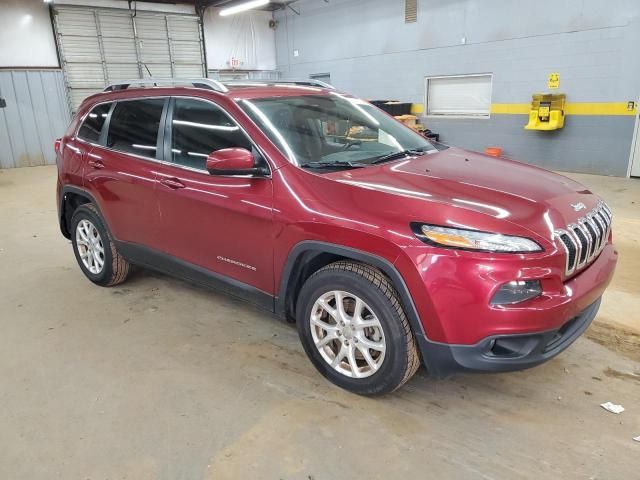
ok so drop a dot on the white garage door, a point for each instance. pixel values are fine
(102, 46)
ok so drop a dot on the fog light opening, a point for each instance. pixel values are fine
(517, 291)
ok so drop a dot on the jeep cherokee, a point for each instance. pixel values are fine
(386, 250)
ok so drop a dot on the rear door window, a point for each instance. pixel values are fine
(200, 128)
(92, 126)
(134, 126)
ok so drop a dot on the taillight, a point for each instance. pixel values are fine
(56, 144)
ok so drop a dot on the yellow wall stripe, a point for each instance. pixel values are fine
(603, 108)
(511, 108)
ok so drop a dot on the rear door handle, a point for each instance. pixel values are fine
(97, 164)
(173, 183)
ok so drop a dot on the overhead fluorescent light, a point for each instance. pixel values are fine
(243, 7)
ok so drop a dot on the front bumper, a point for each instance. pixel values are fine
(452, 292)
(462, 331)
(504, 353)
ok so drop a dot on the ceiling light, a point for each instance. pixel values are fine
(243, 7)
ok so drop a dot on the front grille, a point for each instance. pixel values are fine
(584, 240)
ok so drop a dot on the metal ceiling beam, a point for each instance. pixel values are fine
(274, 5)
(202, 5)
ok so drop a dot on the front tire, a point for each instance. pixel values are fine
(94, 248)
(354, 329)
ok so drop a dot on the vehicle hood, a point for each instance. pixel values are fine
(529, 197)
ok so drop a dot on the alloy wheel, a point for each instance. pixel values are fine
(90, 246)
(348, 334)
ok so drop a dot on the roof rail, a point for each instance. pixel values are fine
(195, 82)
(313, 82)
(309, 82)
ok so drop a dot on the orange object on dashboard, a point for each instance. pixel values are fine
(493, 151)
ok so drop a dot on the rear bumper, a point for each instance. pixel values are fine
(504, 353)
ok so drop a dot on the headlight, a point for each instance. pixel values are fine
(473, 239)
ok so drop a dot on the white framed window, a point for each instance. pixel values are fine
(459, 95)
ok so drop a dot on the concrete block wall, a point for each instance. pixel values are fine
(369, 50)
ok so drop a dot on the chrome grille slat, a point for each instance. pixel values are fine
(596, 228)
(608, 231)
(606, 223)
(570, 248)
(601, 227)
(593, 237)
(584, 240)
(603, 217)
(581, 245)
(585, 245)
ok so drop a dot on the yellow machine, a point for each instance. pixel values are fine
(547, 112)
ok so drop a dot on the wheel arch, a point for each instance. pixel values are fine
(309, 256)
(70, 199)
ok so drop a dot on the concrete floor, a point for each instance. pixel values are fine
(157, 379)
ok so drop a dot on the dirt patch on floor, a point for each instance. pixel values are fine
(610, 372)
(616, 338)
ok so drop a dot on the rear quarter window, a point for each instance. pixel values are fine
(91, 128)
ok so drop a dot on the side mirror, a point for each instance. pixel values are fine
(233, 161)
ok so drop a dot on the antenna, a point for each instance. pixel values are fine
(149, 72)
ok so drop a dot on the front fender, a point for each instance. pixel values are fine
(317, 247)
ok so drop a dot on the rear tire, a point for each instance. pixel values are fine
(94, 248)
(370, 331)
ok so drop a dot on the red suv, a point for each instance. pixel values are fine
(385, 249)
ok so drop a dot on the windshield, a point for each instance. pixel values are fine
(333, 131)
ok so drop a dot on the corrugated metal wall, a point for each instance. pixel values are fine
(37, 112)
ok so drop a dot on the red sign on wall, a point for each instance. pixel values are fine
(235, 63)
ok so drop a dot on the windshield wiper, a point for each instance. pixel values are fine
(332, 165)
(396, 155)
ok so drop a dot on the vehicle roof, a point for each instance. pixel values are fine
(236, 91)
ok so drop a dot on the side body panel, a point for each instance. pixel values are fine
(70, 160)
(124, 187)
(223, 224)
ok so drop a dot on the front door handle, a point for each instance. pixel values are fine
(97, 164)
(173, 183)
